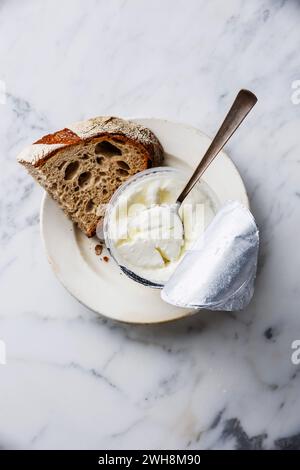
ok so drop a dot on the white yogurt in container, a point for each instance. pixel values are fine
(143, 230)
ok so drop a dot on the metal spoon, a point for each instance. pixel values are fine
(243, 103)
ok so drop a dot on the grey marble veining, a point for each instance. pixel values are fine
(214, 381)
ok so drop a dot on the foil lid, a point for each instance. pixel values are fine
(218, 273)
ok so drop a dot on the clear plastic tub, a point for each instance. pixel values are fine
(129, 269)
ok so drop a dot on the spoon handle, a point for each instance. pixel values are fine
(243, 103)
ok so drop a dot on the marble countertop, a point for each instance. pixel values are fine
(213, 381)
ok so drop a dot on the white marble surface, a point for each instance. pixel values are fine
(215, 381)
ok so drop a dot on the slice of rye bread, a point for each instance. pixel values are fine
(81, 166)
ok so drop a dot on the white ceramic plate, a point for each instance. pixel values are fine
(101, 285)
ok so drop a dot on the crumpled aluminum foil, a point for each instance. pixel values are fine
(219, 272)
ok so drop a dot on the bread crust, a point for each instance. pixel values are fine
(65, 136)
(43, 149)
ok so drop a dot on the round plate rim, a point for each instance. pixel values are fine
(67, 286)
